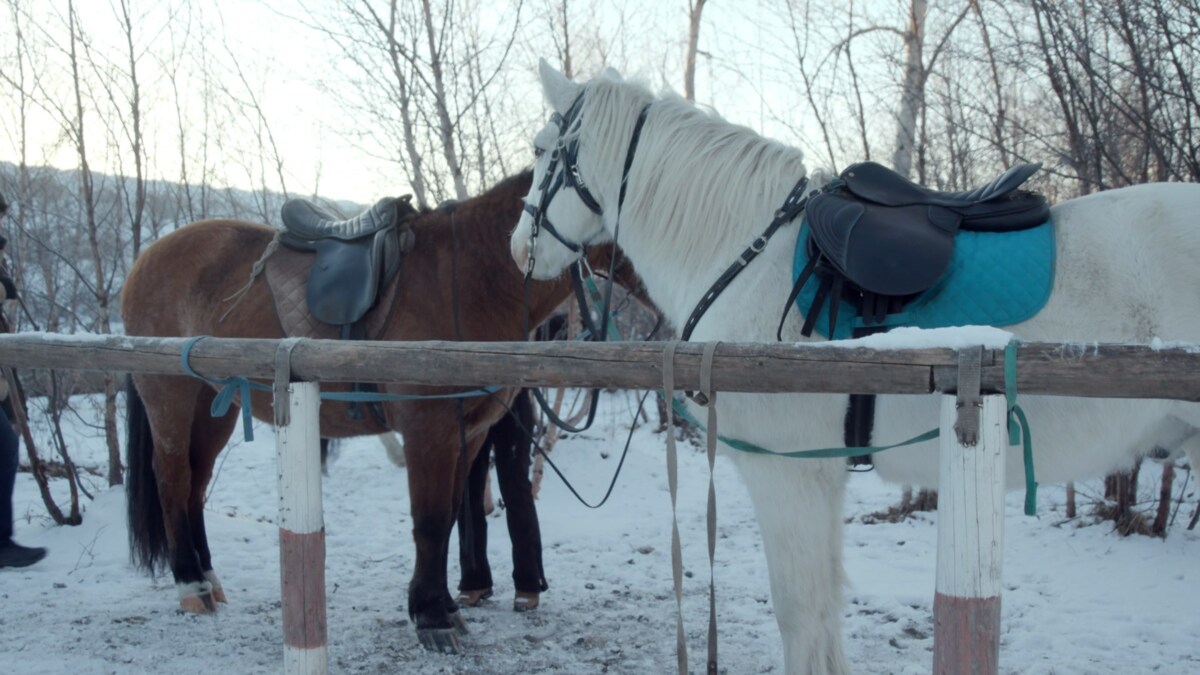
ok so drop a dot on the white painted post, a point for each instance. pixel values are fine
(302, 534)
(966, 607)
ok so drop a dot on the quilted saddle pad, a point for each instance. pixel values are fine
(994, 279)
(287, 277)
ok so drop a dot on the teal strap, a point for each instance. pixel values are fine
(371, 397)
(227, 388)
(818, 453)
(590, 284)
(1018, 426)
(236, 384)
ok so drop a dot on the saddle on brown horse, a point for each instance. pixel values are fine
(330, 273)
(355, 259)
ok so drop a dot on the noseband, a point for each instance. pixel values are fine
(567, 175)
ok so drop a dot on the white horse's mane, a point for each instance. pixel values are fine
(703, 185)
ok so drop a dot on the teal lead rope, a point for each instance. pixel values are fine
(816, 453)
(1018, 432)
(1018, 426)
(236, 384)
(227, 388)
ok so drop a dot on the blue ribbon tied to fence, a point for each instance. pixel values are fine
(234, 385)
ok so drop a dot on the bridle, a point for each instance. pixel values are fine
(566, 151)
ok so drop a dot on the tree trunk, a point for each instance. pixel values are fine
(1165, 488)
(100, 289)
(695, 9)
(136, 140)
(912, 92)
(446, 127)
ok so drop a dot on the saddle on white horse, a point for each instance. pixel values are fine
(878, 239)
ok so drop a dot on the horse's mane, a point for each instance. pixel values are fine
(703, 184)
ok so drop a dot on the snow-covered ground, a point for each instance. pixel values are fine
(1077, 597)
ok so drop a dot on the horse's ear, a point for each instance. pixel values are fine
(560, 92)
(612, 74)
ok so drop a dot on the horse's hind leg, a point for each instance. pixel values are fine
(209, 436)
(171, 403)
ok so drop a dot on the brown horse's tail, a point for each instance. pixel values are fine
(147, 534)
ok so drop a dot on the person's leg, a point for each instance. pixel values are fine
(9, 457)
(11, 553)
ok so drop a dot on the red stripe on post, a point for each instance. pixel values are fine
(971, 631)
(302, 577)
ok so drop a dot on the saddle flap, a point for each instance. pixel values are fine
(884, 250)
(345, 279)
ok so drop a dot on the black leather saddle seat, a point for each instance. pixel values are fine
(890, 236)
(304, 221)
(356, 258)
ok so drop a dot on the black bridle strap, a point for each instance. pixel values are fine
(792, 206)
(572, 179)
(633, 146)
(600, 333)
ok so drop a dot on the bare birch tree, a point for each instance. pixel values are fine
(695, 10)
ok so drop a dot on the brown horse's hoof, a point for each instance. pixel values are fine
(460, 624)
(524, 602)
(441, 640)
(218, 592)
(473, 598)
(198, 604)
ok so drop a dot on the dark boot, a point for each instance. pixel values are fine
(15, 555)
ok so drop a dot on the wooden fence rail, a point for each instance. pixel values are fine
(1089, 370)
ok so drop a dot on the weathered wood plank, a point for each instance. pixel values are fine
(738, 367)
(1093, 370)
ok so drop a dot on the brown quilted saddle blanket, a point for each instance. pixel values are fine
(287, 271)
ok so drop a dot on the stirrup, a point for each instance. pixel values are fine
(524, 602)
(473, 598)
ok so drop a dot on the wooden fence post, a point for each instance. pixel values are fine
(302, 533)
(966, 606)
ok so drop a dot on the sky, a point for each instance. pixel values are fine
(288, 68)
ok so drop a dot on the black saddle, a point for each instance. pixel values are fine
(893, 237)
(356, 258)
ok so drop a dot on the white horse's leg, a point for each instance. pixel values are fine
(799, 506)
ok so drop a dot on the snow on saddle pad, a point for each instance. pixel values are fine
(994, 279)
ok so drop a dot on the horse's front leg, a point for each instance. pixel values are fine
(799, 506)
(436, 477)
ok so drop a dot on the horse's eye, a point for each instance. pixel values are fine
(538, 152)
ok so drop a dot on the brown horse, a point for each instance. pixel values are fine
(177, 288)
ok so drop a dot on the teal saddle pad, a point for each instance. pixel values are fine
(994, 279)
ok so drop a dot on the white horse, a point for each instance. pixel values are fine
(699, 189)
